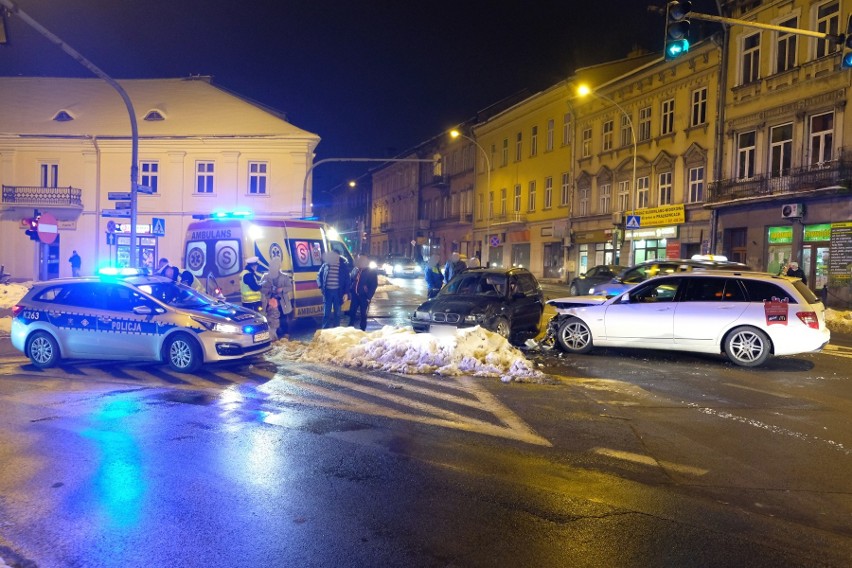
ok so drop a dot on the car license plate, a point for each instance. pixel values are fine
(442, 329)
(261, 337)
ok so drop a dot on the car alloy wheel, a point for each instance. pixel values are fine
(43, 350)
(574, 336)
(501, 327)
(573, 291)
(183, 352)
(747, 346)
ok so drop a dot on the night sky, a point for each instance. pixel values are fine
(371, 78)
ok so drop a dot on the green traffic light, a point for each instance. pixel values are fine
(675, 49)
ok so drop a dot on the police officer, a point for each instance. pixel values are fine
(250, 294)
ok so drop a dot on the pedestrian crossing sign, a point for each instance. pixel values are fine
(634, 221)
(158, 227)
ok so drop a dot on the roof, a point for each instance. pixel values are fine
(190, 107)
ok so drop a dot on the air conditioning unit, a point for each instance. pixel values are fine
(792, 210)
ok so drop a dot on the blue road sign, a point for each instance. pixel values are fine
(634, 221)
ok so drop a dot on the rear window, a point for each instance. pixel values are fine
(83, 295)
(806, 292)
(761, 291)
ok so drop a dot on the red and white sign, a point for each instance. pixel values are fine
(776, 311)
(48, 228)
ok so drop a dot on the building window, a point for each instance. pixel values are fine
(587, 143)
(699, 107)
(490, 204)
(204, 177)
(822, 134)
(606, 136)
(696, 184)
(785, 47)
(623, 195)
(584, 202)
(257, 178)
(626, 131)
(548, 192)
(150, 175)
(566, 189)
(745, 155)
(665, 187)
(644, 123)
(643, 192)
(517, 204)
(780, 148)
(49, 175)
(667, 118)
(827, 22)
(606, 198)
(532, 197)
(481, 198)
(504, 157)
(549, 140)
(750, 61)
(534, 141)
(566, 129)
(519, 146)
(503, 201)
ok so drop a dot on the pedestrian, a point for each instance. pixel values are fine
(364, 284)
(275, 287)
(794, 270)
(171, 272)
(434, 278)
(333, 281)
(473, 262)
(250, 286)
(454, 265)
(161, 267)
(187, 278)
(76, 262)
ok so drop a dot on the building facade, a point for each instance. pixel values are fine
(65, 147)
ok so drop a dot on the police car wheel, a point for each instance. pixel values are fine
(43, 350)
(183, 353)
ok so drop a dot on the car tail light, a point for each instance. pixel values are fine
(809, 319)
(16, 309)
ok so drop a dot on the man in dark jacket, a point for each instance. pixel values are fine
(364, 284)
(333, 281)
(796, 272)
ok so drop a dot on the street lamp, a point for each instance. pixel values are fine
(584, 90)
(487, 244)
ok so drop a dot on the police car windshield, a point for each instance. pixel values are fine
(176, 294)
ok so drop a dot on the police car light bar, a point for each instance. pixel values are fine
(224, 215)
(127, 271)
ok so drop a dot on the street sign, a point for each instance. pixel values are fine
(111, 227)
(119, 195)
(115, 213)
(158, 227)
(148, 190)
(122, 205)
(48, 228)
(634, 221)
(110, 238)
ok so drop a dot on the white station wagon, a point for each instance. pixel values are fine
(748, 316)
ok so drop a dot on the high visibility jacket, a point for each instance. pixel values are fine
(247, 295)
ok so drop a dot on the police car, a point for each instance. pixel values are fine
(125, 315)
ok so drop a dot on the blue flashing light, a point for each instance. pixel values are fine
(125, 271)
(846, 62)
(232, 215)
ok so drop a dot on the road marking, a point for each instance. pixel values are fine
(648, 460)
(838, 351)
(327, 386)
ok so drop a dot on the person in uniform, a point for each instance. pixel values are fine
(275, 288)
(250, 294)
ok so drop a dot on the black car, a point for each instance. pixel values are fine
(508, 301)
(600, 274)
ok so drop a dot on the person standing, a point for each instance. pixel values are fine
(162, 266)
(187, 278)
(76, 263)
(250, 295)
(796, 272)
(364, 284)
(333, 281)
(453, 267)
(434, 278)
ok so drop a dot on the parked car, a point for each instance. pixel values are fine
(133, 318)
(657, 267)
(508, 301)
(594, 276)
(401, 267)
(748, 316)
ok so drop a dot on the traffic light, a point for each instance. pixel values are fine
(677, 28)
(846, 62)
(32, 229)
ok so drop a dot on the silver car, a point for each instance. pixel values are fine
(133, 318)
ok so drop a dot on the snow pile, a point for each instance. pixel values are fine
(471, 351)
(11, 293)
(838, 321)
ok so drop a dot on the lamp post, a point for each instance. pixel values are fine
(487, 244)
(584, 90)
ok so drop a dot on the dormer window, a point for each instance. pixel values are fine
(154, 115)
(63, 116)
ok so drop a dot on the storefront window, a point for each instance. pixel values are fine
(521, 255)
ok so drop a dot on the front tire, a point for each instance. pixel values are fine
(501, 327)
(747, 346)
(573, 291)
(43, 350)
(574, 336)
(183, 353)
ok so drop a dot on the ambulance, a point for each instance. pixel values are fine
(217, 246)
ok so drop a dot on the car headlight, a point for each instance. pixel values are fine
(398, 268)
(218, 326)
(372, 265)
(421, 315)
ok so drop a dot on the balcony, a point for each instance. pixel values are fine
(830, 175)
(23, 196)
(509, 219)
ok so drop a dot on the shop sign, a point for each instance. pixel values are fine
(666, 215)
(653, 233)
(588, 237)
(840, 259)
(817, 233)
(780, 235)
